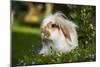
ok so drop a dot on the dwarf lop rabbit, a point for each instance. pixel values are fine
(58, 34)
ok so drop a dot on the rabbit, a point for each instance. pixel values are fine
(58, 34)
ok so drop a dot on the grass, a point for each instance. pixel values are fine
(26, 43)
(25, 29)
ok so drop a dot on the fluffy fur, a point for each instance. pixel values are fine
(58, 34)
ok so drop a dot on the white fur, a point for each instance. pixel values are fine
(57, 40)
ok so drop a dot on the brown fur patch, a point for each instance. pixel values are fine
(45, 32)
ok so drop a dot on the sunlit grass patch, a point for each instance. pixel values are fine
(25, 29)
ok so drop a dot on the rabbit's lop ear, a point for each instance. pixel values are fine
(67, 26)
(66, 31)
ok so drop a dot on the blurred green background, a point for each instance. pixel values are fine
(26, 18)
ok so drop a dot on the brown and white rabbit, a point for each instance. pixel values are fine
(58, 34)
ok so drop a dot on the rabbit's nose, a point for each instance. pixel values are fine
(45, 32)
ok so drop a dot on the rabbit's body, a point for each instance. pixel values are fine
(58, 35)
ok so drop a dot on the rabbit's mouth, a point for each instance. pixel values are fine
(46, 40)
(44, 37)
(45, 34)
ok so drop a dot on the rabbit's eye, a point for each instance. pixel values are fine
(54, 26)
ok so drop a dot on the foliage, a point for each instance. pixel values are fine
(75, 56)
